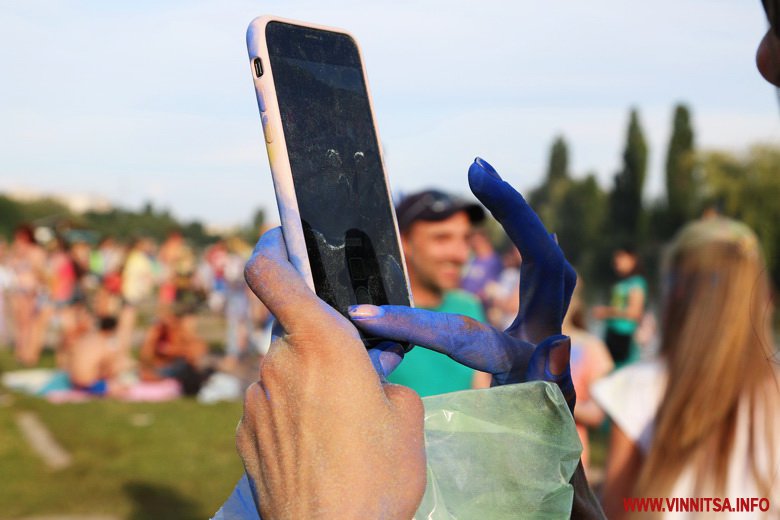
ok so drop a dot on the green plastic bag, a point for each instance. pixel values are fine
(503, 452)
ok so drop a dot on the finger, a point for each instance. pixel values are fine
(517, 218)
(283, 290)
(464, 339)
(550, 362)
(386, 357)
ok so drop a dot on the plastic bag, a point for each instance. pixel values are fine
(503, 452)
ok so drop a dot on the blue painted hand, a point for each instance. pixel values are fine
(532, 348)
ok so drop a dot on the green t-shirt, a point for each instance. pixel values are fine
(430, 373)
(620, 293)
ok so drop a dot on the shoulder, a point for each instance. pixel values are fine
(462, 302)
(637, 281)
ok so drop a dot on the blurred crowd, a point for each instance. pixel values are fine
(117, 313)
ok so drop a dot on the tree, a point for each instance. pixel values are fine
(558, 168)
(680, 180)
(747, 187)
(580, 222)
(626, 197)
(546, 198)
(10, 216)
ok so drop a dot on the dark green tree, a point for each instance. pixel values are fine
(546, 198)
(625, 206)
(680, 181)
(580, 221)
(558, 168)
(10, 216)
(747, 187)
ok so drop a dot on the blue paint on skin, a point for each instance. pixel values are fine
(522, 352)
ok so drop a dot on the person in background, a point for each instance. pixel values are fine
(590, 361)
(97, 360)
(138, 280)
(5, 284)
(237, 303)
(173, 349)
(27, 262)
(177, 262)
(502, 303)
(138, 274)
(483, 268)
(701, 421)
(62, 294)
(435, 229)
(623, 314)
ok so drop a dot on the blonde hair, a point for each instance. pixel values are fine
(717, 345)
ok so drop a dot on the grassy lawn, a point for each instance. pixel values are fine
(172, 460)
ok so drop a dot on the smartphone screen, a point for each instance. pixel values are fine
(337, 171)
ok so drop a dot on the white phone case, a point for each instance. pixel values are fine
(276, 146)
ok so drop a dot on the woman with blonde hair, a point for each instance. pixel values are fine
(702, 420)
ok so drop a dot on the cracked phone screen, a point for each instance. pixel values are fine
(337, 172)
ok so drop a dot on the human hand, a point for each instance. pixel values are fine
(322, 436)
(532, 348)
(601, 312)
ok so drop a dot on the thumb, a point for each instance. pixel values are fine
(386, 357)
(550, 362)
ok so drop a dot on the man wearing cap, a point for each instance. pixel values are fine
(435, 229)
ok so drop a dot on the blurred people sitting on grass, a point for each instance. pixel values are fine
(626, 308)
(435, 229)
(173, 349)
(701, 421)
(64, 303)
(98, 360)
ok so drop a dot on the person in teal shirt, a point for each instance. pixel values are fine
(435, 228)
(626, 308)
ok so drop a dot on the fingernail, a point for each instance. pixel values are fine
(559, 356)
(487, 168)
(365, 311)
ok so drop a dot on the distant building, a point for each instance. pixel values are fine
(75, 202)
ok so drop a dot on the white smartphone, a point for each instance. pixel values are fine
(334, 200)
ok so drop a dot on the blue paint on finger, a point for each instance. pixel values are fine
(385, 358)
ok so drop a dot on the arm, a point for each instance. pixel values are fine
(633, 311)
(624, 463)
(600, 363)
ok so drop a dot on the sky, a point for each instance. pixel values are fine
(153, 100)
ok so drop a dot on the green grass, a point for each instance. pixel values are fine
(172, 460)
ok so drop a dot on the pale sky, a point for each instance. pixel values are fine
(153, 100)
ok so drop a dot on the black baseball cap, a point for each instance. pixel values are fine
(433, 206)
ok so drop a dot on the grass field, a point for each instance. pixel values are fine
(173, 460)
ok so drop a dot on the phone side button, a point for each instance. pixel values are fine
(269, 138)
(261, 99)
